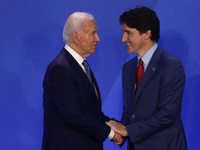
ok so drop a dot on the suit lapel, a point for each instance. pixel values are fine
(133, 73)
(149, 71)
(79, 70)
(97, 92)
(129, 77)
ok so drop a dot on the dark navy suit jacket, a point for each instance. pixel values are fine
(152, 115)
(73, 119)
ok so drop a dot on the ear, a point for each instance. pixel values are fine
(147, 35)
(76, 37)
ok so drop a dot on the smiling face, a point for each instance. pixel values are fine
(136, 42)
(88, 38)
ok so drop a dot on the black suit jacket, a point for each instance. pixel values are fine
(152, 115)
(73, 118)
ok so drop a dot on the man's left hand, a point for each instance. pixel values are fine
(118, 127)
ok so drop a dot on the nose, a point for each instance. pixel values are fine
(124, 37)
(97, 37)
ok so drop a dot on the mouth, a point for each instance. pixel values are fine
(128, 44)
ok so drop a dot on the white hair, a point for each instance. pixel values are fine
(75, 23)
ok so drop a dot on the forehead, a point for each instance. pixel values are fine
(127, 29)
(90, 26)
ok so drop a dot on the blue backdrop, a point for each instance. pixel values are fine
(31, 36)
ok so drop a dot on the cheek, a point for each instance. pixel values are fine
(91, 43)
(135, 41)
(85, 43)
(132, 41)
(88, 43)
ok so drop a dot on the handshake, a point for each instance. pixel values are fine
(120, 132)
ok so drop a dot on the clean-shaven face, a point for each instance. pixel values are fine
(133, 38)
(89, 38)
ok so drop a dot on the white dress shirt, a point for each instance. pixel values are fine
(80, 60)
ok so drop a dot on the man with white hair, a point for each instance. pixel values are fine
(73, 119)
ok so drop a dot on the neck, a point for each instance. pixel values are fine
(146, 48)
(76, 48)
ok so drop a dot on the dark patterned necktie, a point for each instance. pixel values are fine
(139, 72)
(88, 71)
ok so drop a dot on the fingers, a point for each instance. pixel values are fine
(118, 139)
(115, 126)
(111, 125)
(108, 123)
(118, 127)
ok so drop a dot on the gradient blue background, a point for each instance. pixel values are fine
(31, 36)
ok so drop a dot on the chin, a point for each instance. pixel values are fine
(129, 51)
(94, 50)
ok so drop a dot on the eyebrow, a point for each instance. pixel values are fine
(126, 31)
(95, 30)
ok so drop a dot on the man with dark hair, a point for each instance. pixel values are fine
(153, 85)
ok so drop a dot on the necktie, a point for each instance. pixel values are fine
(139, 72)
(88, 71)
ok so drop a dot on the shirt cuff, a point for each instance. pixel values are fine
(111, 135)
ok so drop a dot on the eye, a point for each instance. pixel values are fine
(93, 34)
(129, 33)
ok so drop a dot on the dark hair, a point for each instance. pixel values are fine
(142, 19)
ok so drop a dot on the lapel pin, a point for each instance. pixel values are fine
(153, 69)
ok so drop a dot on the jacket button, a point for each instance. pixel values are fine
(133, 116)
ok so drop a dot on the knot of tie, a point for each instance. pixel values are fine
(86, 65)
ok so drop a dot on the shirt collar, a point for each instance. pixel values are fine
(147, 56)
(76, 56)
